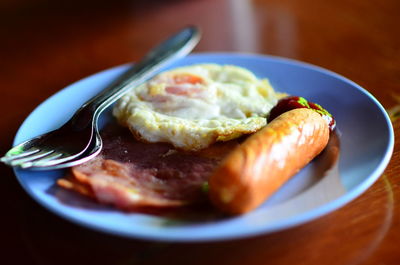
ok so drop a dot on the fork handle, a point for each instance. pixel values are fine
(175, 47)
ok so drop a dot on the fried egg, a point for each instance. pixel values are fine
(194, 106)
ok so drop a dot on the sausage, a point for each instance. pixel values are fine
(266, 160)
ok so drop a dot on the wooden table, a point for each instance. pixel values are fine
(46, 45)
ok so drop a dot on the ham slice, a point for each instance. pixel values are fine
(130, 174)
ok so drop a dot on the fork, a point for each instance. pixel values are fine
(79, 140)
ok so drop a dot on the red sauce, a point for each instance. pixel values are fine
(294, 102)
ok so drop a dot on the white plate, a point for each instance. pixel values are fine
(366, 138)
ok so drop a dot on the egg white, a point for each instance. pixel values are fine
(194, 106)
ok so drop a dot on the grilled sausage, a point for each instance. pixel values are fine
(267, 159)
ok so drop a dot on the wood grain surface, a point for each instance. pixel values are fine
(46, 45)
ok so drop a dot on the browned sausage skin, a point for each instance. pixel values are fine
(267, 159)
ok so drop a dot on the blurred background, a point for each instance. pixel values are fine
(72, 39)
